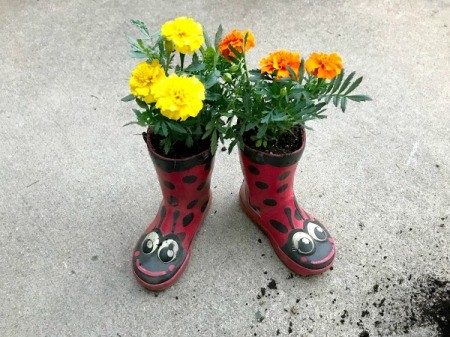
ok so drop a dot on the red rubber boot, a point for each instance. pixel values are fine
(267, 197)
(163, 251)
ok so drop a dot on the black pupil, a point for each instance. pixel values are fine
(305, 245)
(164, 254)
(147, 246)
(320, 233)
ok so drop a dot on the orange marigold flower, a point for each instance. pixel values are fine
(324, 65)
(279, 60)
(236, 39)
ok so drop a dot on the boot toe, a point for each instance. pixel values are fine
(311, 253)
(157, 259)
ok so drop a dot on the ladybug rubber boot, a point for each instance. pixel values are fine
(267, 197)
(163, 251)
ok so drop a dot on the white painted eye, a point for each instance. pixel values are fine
(317, 232)
(168, 251)
(150, 243)
(303, 243)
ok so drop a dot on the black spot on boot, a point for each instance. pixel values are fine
(162, 215)
(189, 179)
(253, 169)
(284, 175)
(188, 219)
(278, 226)
(282, 188)
(176, 214)
(169, 185)
(270, 202)
(200, 187)
(172, 200)
(261, 185)
(202, 209)
(192, 204)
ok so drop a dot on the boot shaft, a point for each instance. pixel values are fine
(269, 178)
(184, 182)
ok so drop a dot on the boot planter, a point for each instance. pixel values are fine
(267, 197)
(163, 251)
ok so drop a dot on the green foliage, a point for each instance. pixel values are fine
(266, 107)
(204, 64)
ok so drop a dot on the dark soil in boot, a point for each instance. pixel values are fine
(288, 142)
(179, 150)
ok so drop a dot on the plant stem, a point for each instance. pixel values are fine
(182, 61)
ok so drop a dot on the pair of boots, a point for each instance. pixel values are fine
(266, 196)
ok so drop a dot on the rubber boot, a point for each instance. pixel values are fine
(267, 197)
(163, 251)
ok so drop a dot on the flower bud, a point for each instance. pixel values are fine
(234, 68)
(283, 92)
(168, 45)
(227, 77)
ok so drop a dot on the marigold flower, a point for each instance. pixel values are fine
(324, 65)
(179, 98)
(185, 33)
(280, 60)
(236, 39)
(143, 77)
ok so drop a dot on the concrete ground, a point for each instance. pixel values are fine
(78, 189)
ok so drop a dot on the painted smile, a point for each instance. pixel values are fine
(328, 257)
(150, 273)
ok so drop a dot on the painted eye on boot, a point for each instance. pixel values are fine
(150, 243)
(317, 232)
(168, 251)
(303, 243)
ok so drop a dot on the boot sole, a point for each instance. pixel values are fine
(256, 219)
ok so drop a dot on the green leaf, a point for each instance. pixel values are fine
(214, 142)
(336, 100)
(207, 39)
(232, 145)
(338, 81)
(128, 98)
(130, 123)
(235, 51)
(292, 73)
(343, 103)
(167, 145)
(218, 37)
(301, 71)
(261, 131)
(354, 86)
(137, 54)
(193, 67)
(212, 79)
(141, 103)
(177, 128)
(346, 82)
(330, 85)
(189, 141)
(141, 26)
(212, 96)
(164, 129)
(249, 126)
(359, 98)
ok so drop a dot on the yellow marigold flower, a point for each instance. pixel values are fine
(185, 33)
(143, 77)
(236, 39)
(324, 65)
(179, 98)
(279, 60)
